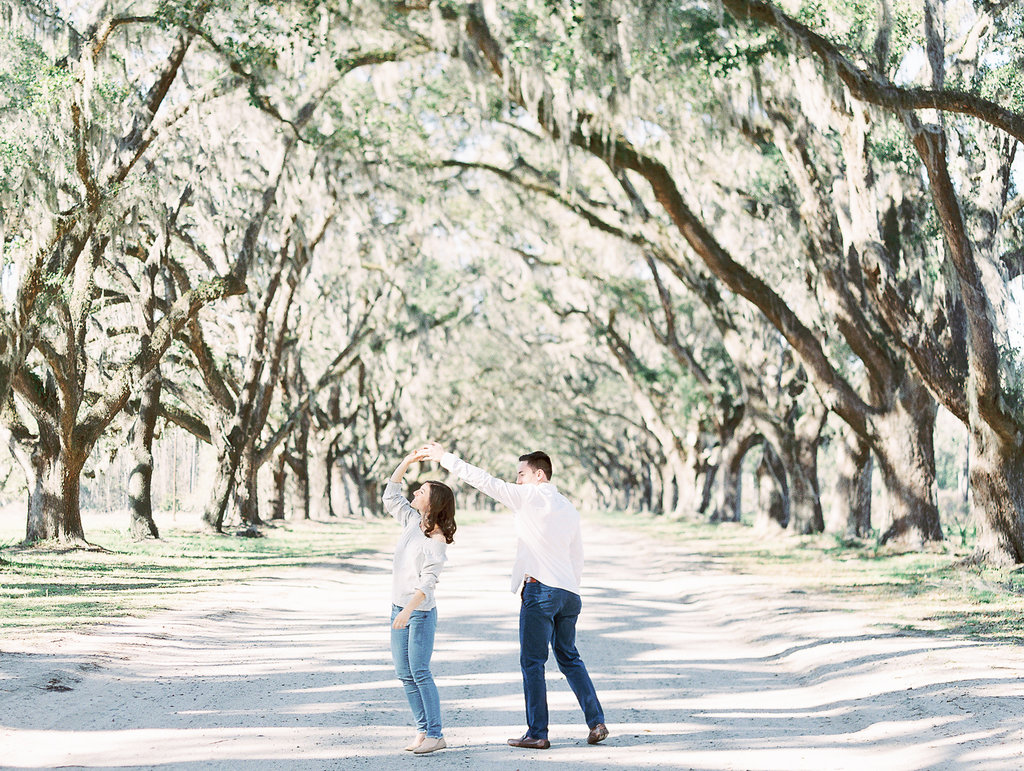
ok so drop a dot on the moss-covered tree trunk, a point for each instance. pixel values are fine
(800, 458)
(851, 504)
(246, 494)
(773, 495)
(140, 479)
(997, 489)
(228, 449)
(54, 504)
(278, 483)
(906, 461)
(729, 507)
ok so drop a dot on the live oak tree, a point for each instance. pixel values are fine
(576, 123)
(729, 202)
(970, 187)
(291, 43)
(62, 178)
(532, 181)
(916, 519)
(68, 230)
(734, 381)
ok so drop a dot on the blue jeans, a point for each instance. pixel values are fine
(411, 649)
(548, 615)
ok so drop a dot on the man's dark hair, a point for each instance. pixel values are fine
(538, 460)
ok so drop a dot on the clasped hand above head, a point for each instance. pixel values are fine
(413, 457)
(431, 451)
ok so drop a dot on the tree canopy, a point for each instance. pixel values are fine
(675, 244)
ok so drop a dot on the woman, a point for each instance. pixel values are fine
(428, 526)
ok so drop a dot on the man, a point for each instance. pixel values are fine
(548, 568)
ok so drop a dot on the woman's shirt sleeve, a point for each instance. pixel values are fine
(396, 504)
(435, 553)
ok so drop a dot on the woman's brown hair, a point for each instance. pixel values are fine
(440, 511)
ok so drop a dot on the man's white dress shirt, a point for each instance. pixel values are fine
(550, 546)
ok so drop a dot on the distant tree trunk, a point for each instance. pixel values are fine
(646, 488)
(54, 512)
(705, 474)
(705, 471)
(246, 493)
(353, 485)
(675, 503)
(906, 460)
(334, 476)
(362, 492)
(232, 443)
(294, 453)
(358, 481)
(997, 493)
(773, 511)
(800, 458)
(330, 472)
(140, 480)
(851, 507)
(300, 467)
(279, 478)
(348, 480)
(668, 489)
(674, 499)
(374, 494)
(730, 500)
(228, 449)
(369, 496)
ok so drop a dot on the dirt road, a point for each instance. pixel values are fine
(696, 668)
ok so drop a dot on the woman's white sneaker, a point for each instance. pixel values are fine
(416, 742)
(430, 745)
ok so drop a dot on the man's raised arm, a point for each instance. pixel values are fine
(504, 492)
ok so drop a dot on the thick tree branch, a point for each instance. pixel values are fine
(187, 421)
(983, 353)
(131, 373)
(826, 253)
(839, 395)
(40, 402)
(871, 86)
(670, 338)
(111, 25)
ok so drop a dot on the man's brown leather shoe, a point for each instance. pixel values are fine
(597, 734)
(531, 743)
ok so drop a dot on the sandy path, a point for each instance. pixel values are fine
(695, 668)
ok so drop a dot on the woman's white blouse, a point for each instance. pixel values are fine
(418, 559)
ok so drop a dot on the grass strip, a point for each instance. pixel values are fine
(929, 592)
(45, 589)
